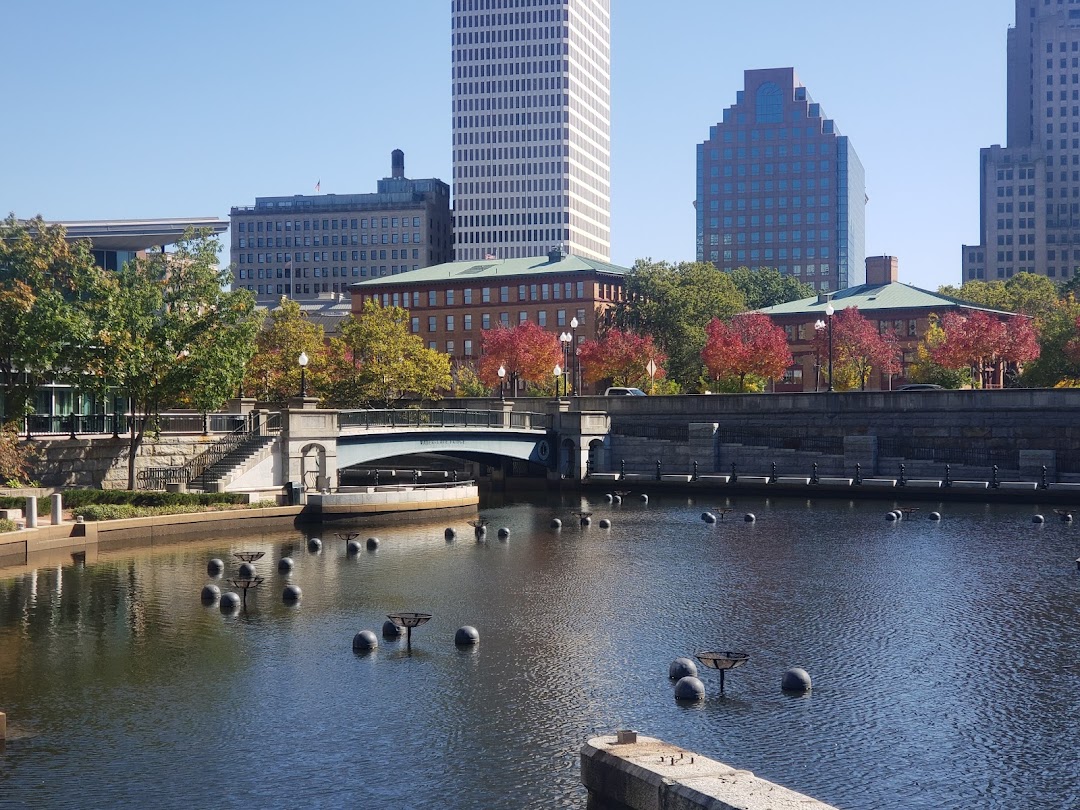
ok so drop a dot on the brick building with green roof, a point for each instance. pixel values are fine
(896, 307)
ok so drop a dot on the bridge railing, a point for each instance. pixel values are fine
(443, 418)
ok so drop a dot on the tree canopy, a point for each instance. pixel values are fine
(527, 352)
(750, 347)
(274, 370)
(622, 357)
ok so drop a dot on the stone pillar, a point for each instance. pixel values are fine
(309, 437)
(31, 511)
(240, 405)
(57, 509)
(702, 445)
(860, 450)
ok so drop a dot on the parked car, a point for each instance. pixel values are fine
(619, 391)
(920, 387)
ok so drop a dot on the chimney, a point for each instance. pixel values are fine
(882, 270)
(556, 254)
(397, 164)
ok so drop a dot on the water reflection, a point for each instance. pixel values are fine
(945, 650)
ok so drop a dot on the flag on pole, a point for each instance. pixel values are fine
(317, 186)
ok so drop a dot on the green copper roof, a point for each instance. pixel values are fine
(493, 269)
(871, 297)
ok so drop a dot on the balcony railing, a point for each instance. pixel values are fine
(120, 424)
(416, 418)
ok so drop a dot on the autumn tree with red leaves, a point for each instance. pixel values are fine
(750, 346)
(621, 357)
(985, 343)
(527, 352)
(859, 348)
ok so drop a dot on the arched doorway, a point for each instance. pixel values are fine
(313, 468)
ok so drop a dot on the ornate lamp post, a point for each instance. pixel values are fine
(818, 327)
(828, 314)
(558, 373)
(502, 383)
(573, 338)
(303, 361)
(565, 338)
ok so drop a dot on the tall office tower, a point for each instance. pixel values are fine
(532, 128)
(1029, 190)
(777, 186)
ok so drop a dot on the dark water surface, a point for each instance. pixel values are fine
(945, 659)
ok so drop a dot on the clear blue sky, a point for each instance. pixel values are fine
(129, 108)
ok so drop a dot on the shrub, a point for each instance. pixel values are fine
(7, 525)
(77, 498)
(119, 511)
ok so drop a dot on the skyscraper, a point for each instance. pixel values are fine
(1029, 190)
(531, 127)
(778, 186)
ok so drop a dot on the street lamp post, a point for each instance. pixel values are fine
(303, 361)
(558, 373)
(502, 383)
(565, 338)
(819, 326)
(828, 314)
(573, 337)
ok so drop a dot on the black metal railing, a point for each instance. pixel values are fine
(827, 445)
(674, 433)
(120, 423)
(966, 456)
(443, 418)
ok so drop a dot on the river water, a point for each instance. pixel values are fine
(945, 659)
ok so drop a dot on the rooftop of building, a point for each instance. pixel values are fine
(138, 234)
(494, 269)
(876, 297)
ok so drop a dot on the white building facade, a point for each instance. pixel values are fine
(531, 128)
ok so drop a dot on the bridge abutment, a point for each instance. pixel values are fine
(309, 446)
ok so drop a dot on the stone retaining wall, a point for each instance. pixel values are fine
(101, 463)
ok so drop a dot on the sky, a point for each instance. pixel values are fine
(124, 109)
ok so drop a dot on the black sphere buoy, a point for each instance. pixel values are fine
(352, 548)
(617, 499)
(1067, 517)
(372, 543)
(314, 544)
(795, 679)
(291, 595)
(285, 565)
(708, 517)
(215, 567)
(210, 594)
(644, 498)
(689, 689)
(504, 533)
(586, 521)
(449, 534)
(890, 516)
(1038, 519)
(466, 636)
(229, 602)
(935, 515)
(682, 668)
(749, 517)
(391, 631)
(364, 641)
(609, 497)
(556, 523)
(604, 523)
(246, 571)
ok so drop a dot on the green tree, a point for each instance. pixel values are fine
(1026, 293)
(170, 334)
(467, 382)
(1054, 365)
(274, 370)
(673, 303)
(377, 361)
(47, 286)
(925, 370)
(767, 287)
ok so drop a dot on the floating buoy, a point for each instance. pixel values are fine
(504, 533)
(466, 636)
(246, 571)
(285, 565)
(682, 668)
(644, 498)
(749, 517)
(314, 544)
(796, 679)
(890, 516)
(708, 517)
(689, 689)
(352, 548)
(210, 594)
(215, 567)
(617, 499)
(449, 534)
(935, 516)
(556, 523)
(605, 523)
(364, 641)
(391, 631)
(291, 595)
(372, 543)
(229, 602)
(1038, 519)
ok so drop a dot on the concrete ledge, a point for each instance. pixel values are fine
(603, 476)
(1065, 487)
(835, 482)
(681, 479)
(793, 479)
(715, 479)
(879, 482)
(649, 774)
(753, 479)
(1014, 485)
(971, 484)
(924, 483)
(637, 477)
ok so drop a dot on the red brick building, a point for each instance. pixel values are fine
(451, 304)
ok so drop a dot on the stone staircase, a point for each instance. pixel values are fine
(216, 476)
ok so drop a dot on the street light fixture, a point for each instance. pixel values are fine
(819, 328)
(303, 361)
(573, 337)
(502, 383)
(558, 373)
(828, 314)
(565, 338)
